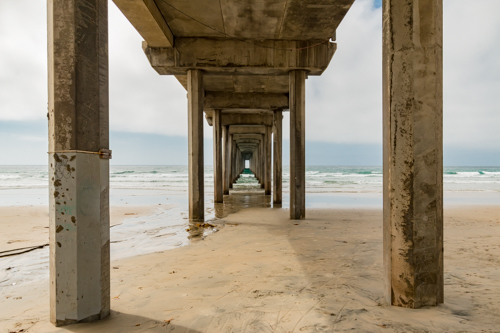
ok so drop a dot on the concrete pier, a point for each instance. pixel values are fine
(297, 145)
(277, 157)
(242, 84)
(217, 138)
(78, 160)
(195, 146)
(413, 152)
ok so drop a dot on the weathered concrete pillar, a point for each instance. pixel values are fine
(230, 161)
(297, 144)
(239, 165)
(217, 127)
(278, 157)
(262, 164)
(269, 168)
(235, 166)
(79, 174)
(257, 162)
(253, 165)
(413, 152)
(225, 159)
(195, 143)
(233, 163)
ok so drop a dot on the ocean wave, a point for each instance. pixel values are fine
(7, 176)
(122, 172)
(335, 178)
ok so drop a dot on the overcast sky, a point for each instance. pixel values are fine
(148, 112)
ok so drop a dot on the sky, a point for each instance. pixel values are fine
(148, 112)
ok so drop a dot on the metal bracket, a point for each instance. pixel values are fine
(105, 154)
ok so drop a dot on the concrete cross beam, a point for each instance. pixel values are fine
(230, 119)
(247, 129)
(230, 100)
(247, 145)
(229, 56)
(242, 83)
(246, 141)
(243, 141)
(249, 137)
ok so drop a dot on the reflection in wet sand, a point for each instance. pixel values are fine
(240, 199)
(246, 193)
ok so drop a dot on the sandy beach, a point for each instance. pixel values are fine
(35, 224)
(261, 272)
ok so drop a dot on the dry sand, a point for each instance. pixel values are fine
(262, 272)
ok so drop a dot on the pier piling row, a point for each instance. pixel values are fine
(241, 70)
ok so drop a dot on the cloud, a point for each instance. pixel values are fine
(471, 74)
(23, 60)
(141, 100)
(343, 106)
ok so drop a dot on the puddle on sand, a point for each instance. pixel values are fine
(246, 193)
(240, 199)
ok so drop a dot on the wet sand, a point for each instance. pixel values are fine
(262, 272)
(28, 226)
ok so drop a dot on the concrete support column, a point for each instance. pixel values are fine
(217, 127)
(413, 152)
(297, 144)
(225, 159)
(253, 163)
(239, 164)
(262, 162)
(268, 150)
(257, 162)
(235, 165)
(278, 157)
(231, 161)
(195, 143)
(79, 177)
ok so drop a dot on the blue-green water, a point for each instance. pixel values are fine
(319, 179)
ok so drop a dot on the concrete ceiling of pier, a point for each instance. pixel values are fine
(255, 19)
(163, 23)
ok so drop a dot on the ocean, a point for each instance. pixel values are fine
(325, 185)
(165, 188)
(338, 179)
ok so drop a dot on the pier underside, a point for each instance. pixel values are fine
(242, 63)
